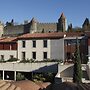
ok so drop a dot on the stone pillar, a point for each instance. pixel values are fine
(3, 74)
(15, 75)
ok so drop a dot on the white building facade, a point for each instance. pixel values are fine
(37, 46)
(8, 48)
(7, 54)
(41, 48)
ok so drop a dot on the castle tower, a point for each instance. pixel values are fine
(85, 24)
(61, 25)
(33, 28)
(1, 28)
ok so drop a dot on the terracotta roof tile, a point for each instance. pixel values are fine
(26, 85)
(44, 85)
(73, 34)
(42, 35)
(30, 85)
(8, 39)
(6, 85)
(51, 35)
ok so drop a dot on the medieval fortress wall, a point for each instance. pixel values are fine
(10, 30)
(33, 26)
(47, 27)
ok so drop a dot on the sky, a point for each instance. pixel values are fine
(75, 11)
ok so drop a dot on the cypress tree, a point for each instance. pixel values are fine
(77, 74)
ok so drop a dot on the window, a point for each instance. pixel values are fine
(34, 43)
(14, 46)
(33, 55)
(45, 43)
(23, 44)
(2, 57)
(23, 55)
(11, 56)
(44, 55)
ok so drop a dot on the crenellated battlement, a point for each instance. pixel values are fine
(47, 23)
(34, 26)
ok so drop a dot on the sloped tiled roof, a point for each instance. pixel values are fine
(52, 35)
(74, 34)
(5, 85)
(27, 85)
(8, 39)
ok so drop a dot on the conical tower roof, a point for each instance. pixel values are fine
(62, 16)
(33, 20)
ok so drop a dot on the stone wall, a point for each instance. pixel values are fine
(31, 27)
(46, 27)
(7, 54)
(13, 30)
(27, 28)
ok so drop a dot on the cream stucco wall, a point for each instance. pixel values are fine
(7, 54)
(29, 49)
(55, 49)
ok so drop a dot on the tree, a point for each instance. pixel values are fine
(77, 74)
(20, 77)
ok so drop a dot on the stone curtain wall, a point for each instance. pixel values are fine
(46, 27)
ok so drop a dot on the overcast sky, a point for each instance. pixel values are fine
(45, 10)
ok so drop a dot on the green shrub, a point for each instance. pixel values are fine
(38, 77)
(2, 61)
(20, 77)
(12, 59)
(27, 61)
(44, 77)
(52, 60)
(24, 61)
